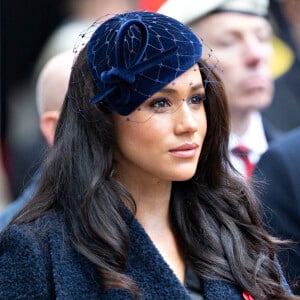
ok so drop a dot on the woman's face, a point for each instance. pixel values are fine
(162, 139)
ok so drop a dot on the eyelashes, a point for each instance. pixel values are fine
(197, 99)
(160, 103)
(165, 104)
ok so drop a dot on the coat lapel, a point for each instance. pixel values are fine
(214, 289)
(148, 268)
(76, 278)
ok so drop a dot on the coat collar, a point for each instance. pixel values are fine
(75, 277)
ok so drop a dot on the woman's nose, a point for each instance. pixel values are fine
(186, 119)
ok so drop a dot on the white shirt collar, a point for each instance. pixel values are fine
(254, 138)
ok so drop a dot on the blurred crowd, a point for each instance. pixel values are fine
(41, 33)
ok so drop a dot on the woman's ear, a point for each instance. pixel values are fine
(48, 122)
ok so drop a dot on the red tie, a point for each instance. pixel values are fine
(242, 152)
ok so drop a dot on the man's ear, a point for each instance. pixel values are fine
(48, 122)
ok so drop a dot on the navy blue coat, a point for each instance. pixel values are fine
(38, 262)
(279, 168)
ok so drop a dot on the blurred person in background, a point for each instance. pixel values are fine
(24, 25)
(24, 138)
(279, 170)
(51, 89)
(284, 112)
(81, 15)
(240, 35)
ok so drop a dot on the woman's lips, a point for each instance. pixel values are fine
(185, 151)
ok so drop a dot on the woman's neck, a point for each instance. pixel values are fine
(152, 198)
(152, 201)
(153, 215)
(151, 194)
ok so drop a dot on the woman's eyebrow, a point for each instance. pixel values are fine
(197, 87)
(167, 90)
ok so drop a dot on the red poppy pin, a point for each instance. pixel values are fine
(247, 296)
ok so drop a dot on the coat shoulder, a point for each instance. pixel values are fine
(25, 263)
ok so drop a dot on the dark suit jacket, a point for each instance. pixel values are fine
(271, 132)
(38, 262)
(284, 112)
(279, 167)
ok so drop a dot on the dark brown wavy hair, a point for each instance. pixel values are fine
(217, 226)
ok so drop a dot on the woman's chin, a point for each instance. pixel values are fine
(183, 176)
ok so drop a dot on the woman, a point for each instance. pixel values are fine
(138, 199)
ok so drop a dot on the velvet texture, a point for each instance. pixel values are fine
(132, 56)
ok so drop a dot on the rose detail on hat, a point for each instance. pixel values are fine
(114, 75)
(116, 78)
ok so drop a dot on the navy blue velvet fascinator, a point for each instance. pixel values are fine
(131, 56)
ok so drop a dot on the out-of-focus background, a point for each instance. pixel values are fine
(25, 27)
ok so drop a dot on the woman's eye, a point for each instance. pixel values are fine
(160, 103)
(197, 99)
